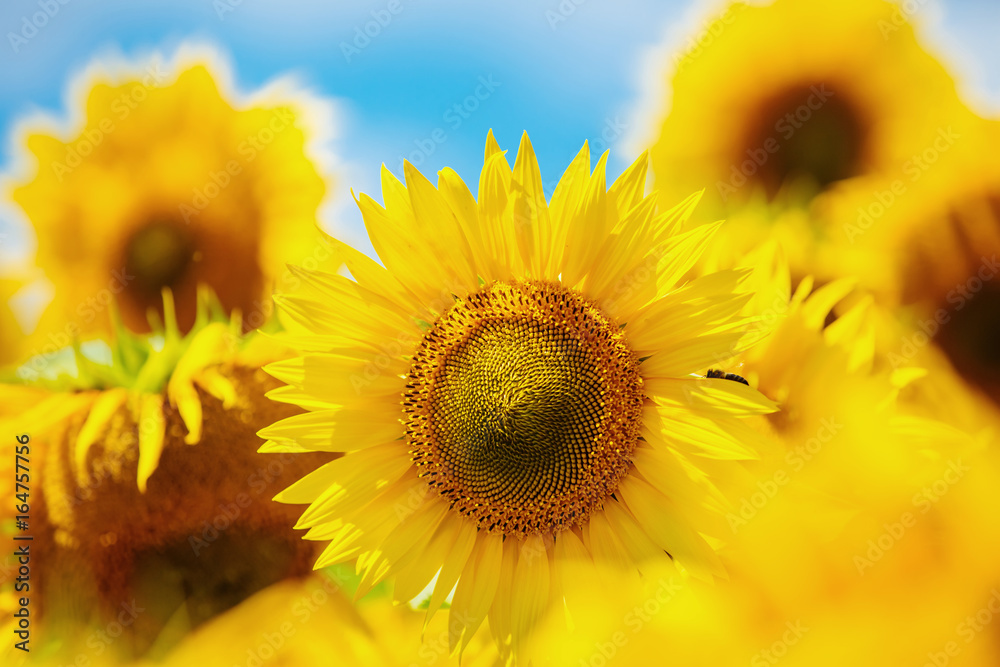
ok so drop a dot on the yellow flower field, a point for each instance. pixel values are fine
(716, 384)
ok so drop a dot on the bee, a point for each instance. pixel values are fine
(716, 373)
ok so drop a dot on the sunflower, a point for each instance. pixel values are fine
(146, 527)
(875, 516)
(20, 527)
(167, 184)
(298, 622)
(871, 521)
(792, 97)
(514, 389)
(945, 264)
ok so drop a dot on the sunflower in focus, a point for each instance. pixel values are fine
(148, 531)
(168, 185)
(788, 99)
(515, 390)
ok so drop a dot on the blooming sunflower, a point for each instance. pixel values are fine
(514, 389)
(149, 532)
(791, 97)
(168, 184)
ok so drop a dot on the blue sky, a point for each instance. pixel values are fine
(563, 81)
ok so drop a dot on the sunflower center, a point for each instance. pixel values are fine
(971, 338)
(157, 256)
(809, 132)
(522, 407)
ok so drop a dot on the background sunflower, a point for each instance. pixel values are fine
(169, 183)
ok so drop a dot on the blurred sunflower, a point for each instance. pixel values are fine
(792, 97)
(151, 533)
(514, 390)
(875, 517)
(871, 521)
(18, 482)
(295, 623)
(946, 272)
(168, 185)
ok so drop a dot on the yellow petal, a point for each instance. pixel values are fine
(530, 591)
(568, 193)
(658, 517)
(105, 406)
(500, 612)
(821, 302)
(532, 229)
(683, 357)
(452, 567)
(628, 189)
(413, 576)
(152, 428)
(588, 227)
(475, 591)
(711, 394)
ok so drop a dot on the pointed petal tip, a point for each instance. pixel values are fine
(492, 147)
